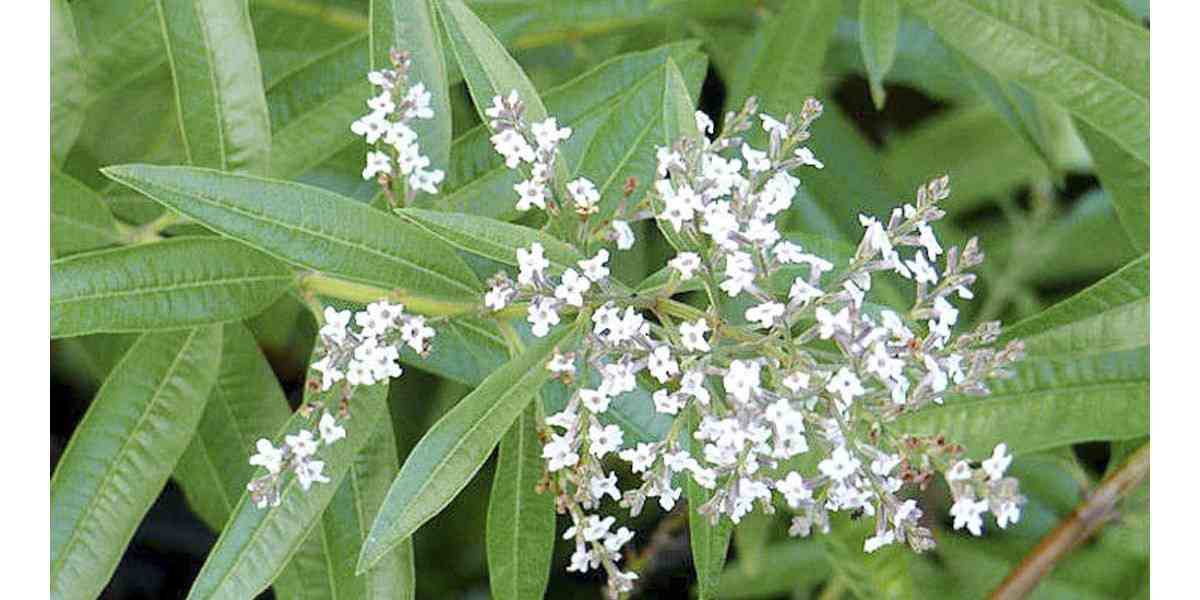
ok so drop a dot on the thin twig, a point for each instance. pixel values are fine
(1085, 520)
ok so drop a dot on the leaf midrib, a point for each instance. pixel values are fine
(155, 289)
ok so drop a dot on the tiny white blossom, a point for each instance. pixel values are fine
(846, 385)
(692, 384)
(765, 314)
(302, 444)
(595, 268)
(793, 489)
(667, 403)
(548, 134)
(640, 458)
(584, 193)
(704, 123)
(961, 471)
(572, 287)
(686, 264)
(309, 472)
(498, 297)
(268, 456)
(532, 263)
(840, 465)
(998, 463)
(661, 365)
(796, 381)
(807, 157)
(419, 98)
(878, 541)
(382, 103)
(602, 486)
(756, 160)
(596, 401)
(562, 363)
(772, 125)
(624, 234)
(531, 194)
(1007, 512)
(693, 335)
(377, 162)
(330, 430)
(559, 453)
(803, 293)
(743, 379)
(542, 315)
(968, 512)
(831, 324)
(604, 439)
(372, 126)
(426, 180)
(512, 146)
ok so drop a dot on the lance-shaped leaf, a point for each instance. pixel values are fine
(1050, 402)
(311, 228)
(1126, 180)
(1110, 316)
(492, 239)
(79, 220)
(879, 26)
(175, 283)
(710, 542)
(452, 451)
(520, 521)
(246, 404)
(1089, 60)
(408, 25)
(219, 94)
(257, 543)
(122, 453)
(68, 85)
(677, 111)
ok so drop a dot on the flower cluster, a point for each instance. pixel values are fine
(795, 397)
(364, 354)
(396, 153)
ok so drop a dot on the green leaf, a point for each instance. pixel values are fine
(246, 403)
(219, 94)
(1050, 402)
(883, 574)
(79, 219)
(454, 449)
(794, 565)
(710, 542)
(1021, 110)
(1110, 316)
(309, 227)
(180, 282)
(489, 238)
(677, 112)
(257, 543)
(407, 25)
(750, 539)
(1089, 60)
(1127, 181)
(879, 27)
(122, 453)
(68, 84)
(520, 520)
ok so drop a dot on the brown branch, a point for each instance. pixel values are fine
(1085, 520)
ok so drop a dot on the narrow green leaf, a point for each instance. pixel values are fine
(520, 521)
(677, 111)
(219, 95)
(879, 27)
(794, 565)
(246, 403)
(489, 238)
(309, 227)
(750, 539)
(1127, 181)
(68, 84)
(452, 451)
(1091, 61)
(408, 25)
(1019, 108)
(79, 220)
(710, 542)
(1110, 316)
(180, 282)
(882, 575)
(122, 453)
(257, 543)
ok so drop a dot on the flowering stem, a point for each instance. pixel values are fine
(1085, 520)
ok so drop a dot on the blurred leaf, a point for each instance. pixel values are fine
(1089, 60)
(122, 453)
(408, 25)
(709, 541)
(454, 449)
(750, 539)
(1050, 402)
(175, 283)
(793, 566)
(1127, 181)
(245, 404)
(881, 574)
(309, 227)
(1110, 316)
(257, 542)
(218, 84)
(879, 24)
(922, 61)
(520, 521)
(79, 219)
(68, 84)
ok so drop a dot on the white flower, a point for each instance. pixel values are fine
(692, 384)
(601, 486)
(532, 263)
(584, 193)
(796, 381)
(765, 314)
(380, 78)
(832, 324)
(595, 401)
(382, 103)
(840, 465)
(640, 458)
(793, 489)
(739, 273)
(335, 324)
(907, 511)
(667, 158)
(565, 419)
(531, 194)
(399, 136)
(512, 146)
(679, 206)
(595, 267)
(548, 134)
(371, 126)
(1007, 512)
(309, 472)
(268, 456)
(409, 159)
(883, 465)
(623, 233)
(846, 385)
(542, 315)
(922, 270)
(807, 157)
(498, 297)
(377, 162)
(615, 540)
(426, 180)
(302, 444)
(998, 463)
(968, 512)
(419, 97)
(777, 194)
(686, 264)
(803, 293)
(330, 430)
(667, 403)
(559, 453)
(359, 373)
(787, 253)
(961, 471)
(742, 379)
(703, 123)
(878, 541)
(929, 241)
(572, 288)
(875, 237)
(693, 335)
(582, 559)
(415, 332)
(562, 363)
(661, 365)
(756, 160)
(723, 173)
(604, 439)
(772, 125)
